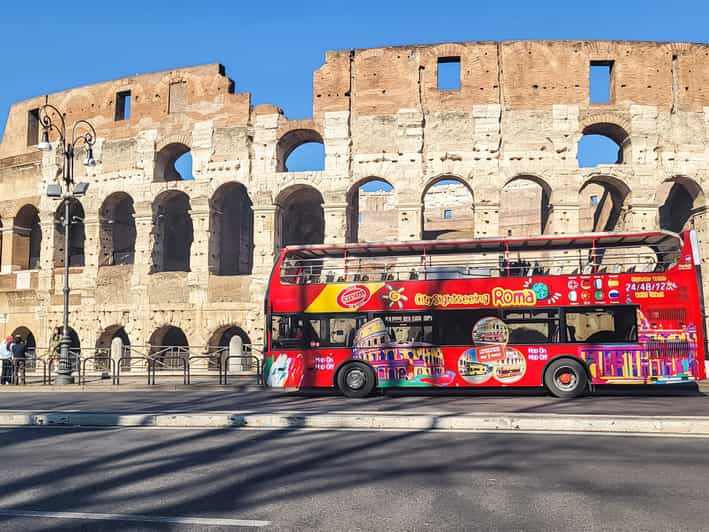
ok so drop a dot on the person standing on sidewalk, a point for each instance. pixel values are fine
(6, 359)
(19, 349)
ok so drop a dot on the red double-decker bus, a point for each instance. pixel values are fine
(567, 312)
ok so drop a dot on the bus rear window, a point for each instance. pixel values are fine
(602, 325)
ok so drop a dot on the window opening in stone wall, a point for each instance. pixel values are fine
(33, 127)
(27, 239)
(231, 231)
(455, 197)
(448, 74)
(173, 232)
(524, 208)
(371, 212)
(177, 97)
(77, 235)
(117, 230)
(594, 150)
(600, 81)
(302, 219)
(183, 165)
(173, 163)
(300, 150)
(594, 200)
(123, 106)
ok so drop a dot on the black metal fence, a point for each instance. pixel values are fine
(180, 361)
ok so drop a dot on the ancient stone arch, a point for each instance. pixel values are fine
(301, 219)
(117, 230)
(371, 214)
(172, 232)
(231, 231)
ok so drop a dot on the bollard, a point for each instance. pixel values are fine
(236, 349)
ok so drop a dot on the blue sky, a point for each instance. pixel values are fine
(271, 48)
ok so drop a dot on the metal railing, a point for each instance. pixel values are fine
(185, 361)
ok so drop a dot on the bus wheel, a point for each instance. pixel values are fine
(566, 378)
(356, 380)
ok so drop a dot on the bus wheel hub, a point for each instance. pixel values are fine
(355, 379)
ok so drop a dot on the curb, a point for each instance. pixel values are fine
(694, 426)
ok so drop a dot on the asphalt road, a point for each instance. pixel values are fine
(318, 480)
(624, 401)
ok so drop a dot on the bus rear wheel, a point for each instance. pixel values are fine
(566, 378)
(356, 380)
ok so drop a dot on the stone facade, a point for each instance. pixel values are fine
(155, 252)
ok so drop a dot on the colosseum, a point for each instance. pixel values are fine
(156, 259)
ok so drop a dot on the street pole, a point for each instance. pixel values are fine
(70, 191)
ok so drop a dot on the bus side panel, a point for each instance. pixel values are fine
(303, 369)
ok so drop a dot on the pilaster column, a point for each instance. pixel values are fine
(562, 218)
(410, 221)
(199, 252)
(10, 258)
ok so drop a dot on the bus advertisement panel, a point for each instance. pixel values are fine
(521, 323)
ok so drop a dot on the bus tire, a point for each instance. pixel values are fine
(566, 378)
(356, 380)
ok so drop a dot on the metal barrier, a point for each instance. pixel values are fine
(82, 374)
(118, 365)
(162, 362)
(74, 360)
(20, 365)
(225, 366)
(209, 359)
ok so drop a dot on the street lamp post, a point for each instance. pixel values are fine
(82, 132)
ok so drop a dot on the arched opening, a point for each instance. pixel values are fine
(27, 238)
(173, 163)
(300, 150)
(683, 201)
(447, 210)
(602, 143)
(301, 217)
(231, 231)
(220, 341)
(77, 234)
(371, 211)
(168, 345)
(524, 207)
(173, 232)
(113, 343)
(117, 230)
(28, 339)
(601, 201)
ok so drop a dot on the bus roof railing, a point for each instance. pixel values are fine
(597, 253)
(659, 239)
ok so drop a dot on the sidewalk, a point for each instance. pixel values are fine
(625, 410)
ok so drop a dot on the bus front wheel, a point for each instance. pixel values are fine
(356, 380)
(566, 378)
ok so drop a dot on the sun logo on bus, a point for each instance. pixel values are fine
(395, 297)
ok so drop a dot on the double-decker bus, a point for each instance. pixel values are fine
(567, 312)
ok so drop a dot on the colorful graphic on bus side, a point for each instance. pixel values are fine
(399, 363)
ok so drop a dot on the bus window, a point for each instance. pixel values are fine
(455, 327)
(343, 329)
(407, 328)
(532, 326)
(602, 325)
(292, 332)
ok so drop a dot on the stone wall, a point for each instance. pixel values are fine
(509, 135)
